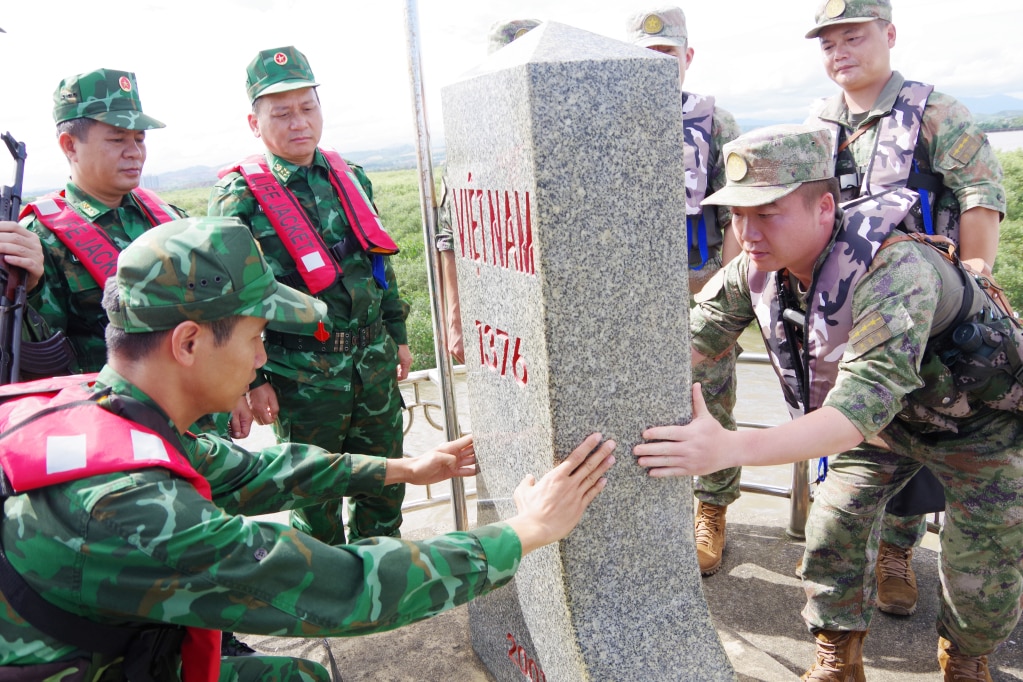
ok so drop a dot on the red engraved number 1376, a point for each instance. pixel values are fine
(495, 345)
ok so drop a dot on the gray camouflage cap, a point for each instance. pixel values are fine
(665, 26)
(103, 95)
(504, 32)
(204, 269)
(833, 12)
(767, 164)
(279, 69)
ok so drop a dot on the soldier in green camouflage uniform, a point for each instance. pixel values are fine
(966, 196)
(711, 242)
(101, 129)
(879, 320)
(349, 400)
(142, 546)
(501, 34)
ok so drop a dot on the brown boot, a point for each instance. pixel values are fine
(839, 657)
(710, 537)
(959, 667)
(896, 582)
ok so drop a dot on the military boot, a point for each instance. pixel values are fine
(710, 537)
(896, 582)
(839, 657)
(959, 667)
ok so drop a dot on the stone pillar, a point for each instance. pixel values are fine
(565, 159)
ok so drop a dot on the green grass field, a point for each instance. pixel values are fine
(397, 196)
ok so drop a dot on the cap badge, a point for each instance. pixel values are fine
(280, 59)
(125, 83)
(653, 24)
(68, 95)
(834, 8)
(521, 32)
(736, 167)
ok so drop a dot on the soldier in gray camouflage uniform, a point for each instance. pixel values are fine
(501, 34)
(137, 525)
(707, 128)
(891, 132)
(848, 292)
(340, 393)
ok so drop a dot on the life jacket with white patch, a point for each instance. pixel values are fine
(57, 430)
(89, 243)
(701, 222)
(318, 265)
(896, 161)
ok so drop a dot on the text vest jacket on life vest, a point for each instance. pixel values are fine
(86, 240)
(701, 223)
(809, 373)
(58, 430)
(318, 268)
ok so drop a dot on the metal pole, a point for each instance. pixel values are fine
(428, 202)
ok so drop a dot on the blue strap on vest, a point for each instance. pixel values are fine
(925, 204)
(701, 239)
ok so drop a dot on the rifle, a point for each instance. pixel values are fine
(43, 354)
(12, 302)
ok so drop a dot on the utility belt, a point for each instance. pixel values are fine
(337, 342)
(339, 251)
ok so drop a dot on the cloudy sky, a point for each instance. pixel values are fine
(190, 58)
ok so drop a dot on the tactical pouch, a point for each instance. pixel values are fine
(975, 334)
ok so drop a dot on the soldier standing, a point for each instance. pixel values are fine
(707, 127)
(313, 216)
(890, 132)
(853, 313)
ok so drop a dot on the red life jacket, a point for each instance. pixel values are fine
(86, 240)
(314, 261)
(68, 439)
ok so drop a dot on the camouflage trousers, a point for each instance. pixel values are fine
(259, 668)
(722, 487)
(717, 380)
(981, 562)
(366, 420)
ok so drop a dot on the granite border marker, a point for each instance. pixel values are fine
(565, 159)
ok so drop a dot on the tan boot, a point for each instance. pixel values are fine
(710, 537)
(896, 582)
(839, 657)
(961, 668)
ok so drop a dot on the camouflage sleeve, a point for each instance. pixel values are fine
(285, 476)
(723, 309)
(724, 129)
(896, 300)
(231, 197)
(393, 308)
(147, 546)
(961, 153)
(445, 227)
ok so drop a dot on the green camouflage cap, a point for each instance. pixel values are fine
(832, 12)
(666, 26)
(767, 164)
(504, 32)
(103, 95)
(204, 269)
(278, 70)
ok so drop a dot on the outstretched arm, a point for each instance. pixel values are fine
(703, 446)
